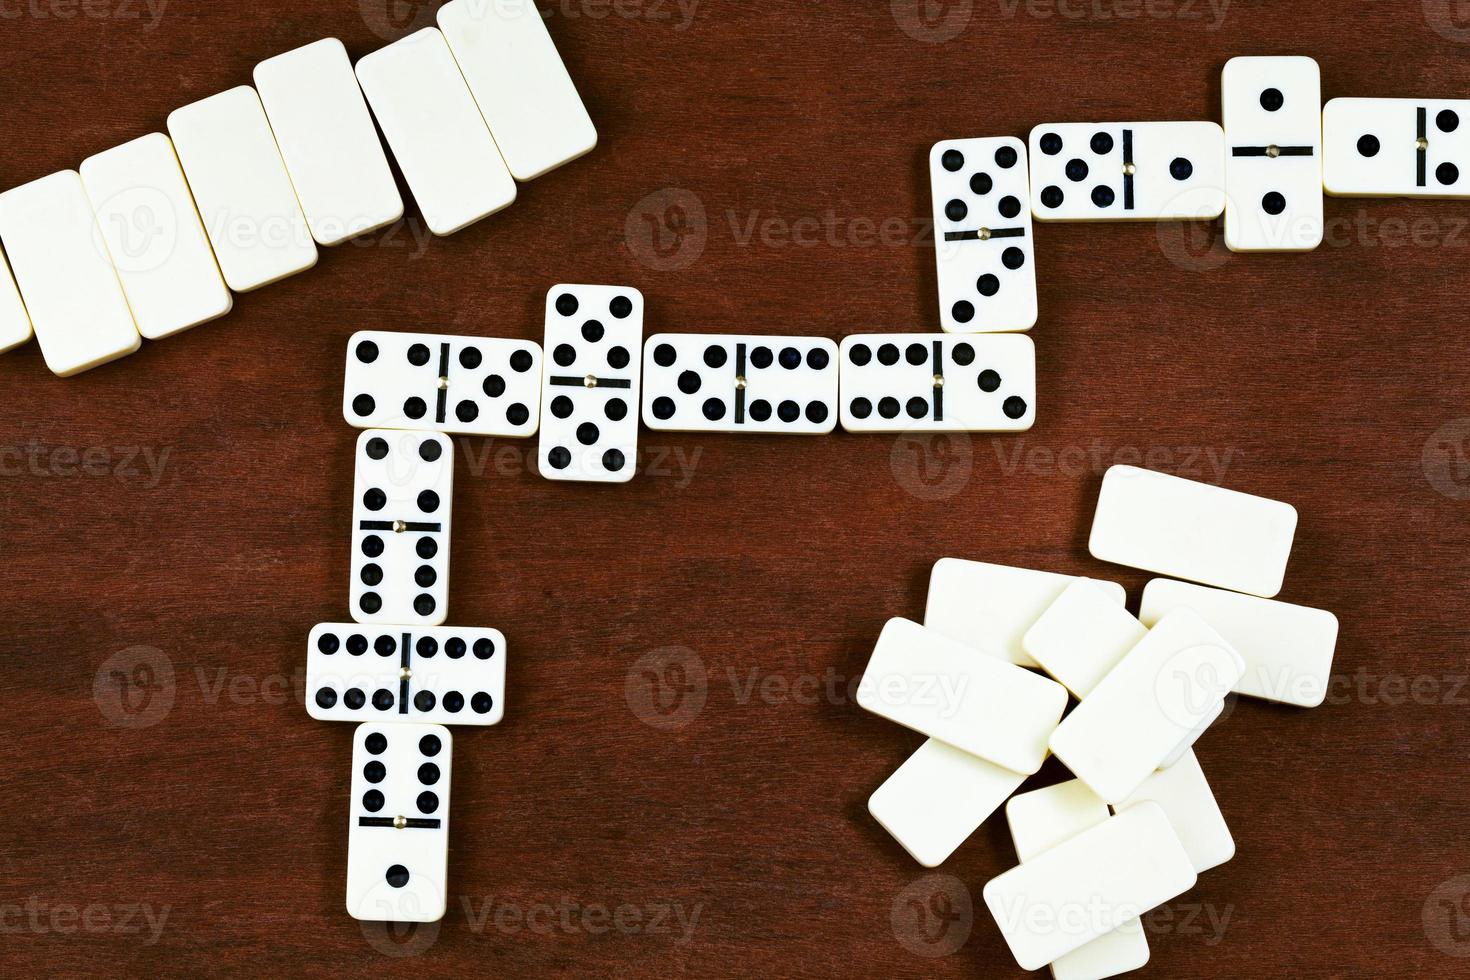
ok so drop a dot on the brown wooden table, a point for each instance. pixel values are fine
(680, 782)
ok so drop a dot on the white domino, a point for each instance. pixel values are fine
(991, 607)
(155, 237)
(444, 675)
(436, 132)
(1287, 649)
(403, 504)
(328, 142)
(1184, 793)
(735, 383)
(1042, 819)
(464, 385)
(1127, 171)
(590, 383)
(1272, 115)
(1396, 147)
(1155, 698)
(245, 197)
(1195, 531)
(938, 798)
(938, 383)
(983, 239)
(65, 274)
(15, 322)
(1082, 636)
(971, 700)
(1089, 885)
(398, 830)
(518, 80)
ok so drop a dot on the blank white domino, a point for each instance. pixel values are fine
(245, 197)
(1272, 116)
(1089, 885)
(518, 80)
(436, 132)
(153, 232)
(327, 139)
(992, 606)
(15, 323)
(1156, 697)
(1287, 649)
(1396, 147)
(1082, 636)
(971, 700)
(1194, 531)
(65, 275)
(938, 798)
(1184, 793)
(1044, 818)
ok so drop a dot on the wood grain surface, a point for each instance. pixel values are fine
(680, 782)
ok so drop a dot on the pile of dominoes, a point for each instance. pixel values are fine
(1002, 652)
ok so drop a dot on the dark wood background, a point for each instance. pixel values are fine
(670, 749)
